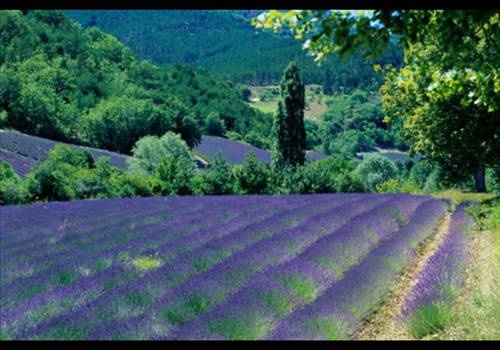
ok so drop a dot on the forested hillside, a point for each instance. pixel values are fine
(226, 44)
(83, 86)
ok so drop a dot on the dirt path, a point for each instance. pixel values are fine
(383, 323)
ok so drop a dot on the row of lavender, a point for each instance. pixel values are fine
(427, 307)
(20, 164)
(35, 149)
(224, 267)
(80, 243)
(234, 151)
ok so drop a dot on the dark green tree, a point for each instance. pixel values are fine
(289, 127)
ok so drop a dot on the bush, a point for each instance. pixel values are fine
(398, 186)
(218, 178)
(175, 175)
(215, 125)
(374, 170)
(52, 181)
(149, 151)
(253, 176)
(429, 319)
(287, 180)
(421, 171)
(432, 183)
(12, 189)
(69, 173)
(132, 184)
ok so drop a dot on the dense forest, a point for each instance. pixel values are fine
(84, 86)
(225, 43)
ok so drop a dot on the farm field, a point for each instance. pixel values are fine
(265, 98)
(22, 152)
(213, 267)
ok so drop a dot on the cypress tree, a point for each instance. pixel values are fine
(289, 127)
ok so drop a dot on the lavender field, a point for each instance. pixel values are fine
(234, 151)
(22, 151)
(213, 267)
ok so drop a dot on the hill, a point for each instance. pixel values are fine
(85, 87)
(225, 43)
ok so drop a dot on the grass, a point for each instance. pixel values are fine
(277, 302)
(4, 335)
(244, 327)
(66, 278)
(429, 319)
(327, 328)
(145, 263)
(478, 316)
(192, 307)
(331, 265)
(269, 106)
(302, 287)
(458, 196)
(317, 102)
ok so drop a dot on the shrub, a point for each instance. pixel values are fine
(398, 186)
(149, 151)
(421, 171)
(12, 189)
(175, 175)
(429, 319)
(218, 178)
(132, 184)
(253, 176)
(215, 125)
(374, 170)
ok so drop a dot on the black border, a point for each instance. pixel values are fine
(239, 345)
(246, 4)
(238, 4)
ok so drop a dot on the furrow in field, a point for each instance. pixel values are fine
(23, 218)
(139, 225)
(54, 225)
(383, 323)
(51, 274)
(158, 276)
(337, 313)
(230, 276)
(300, 201)
(247, 314)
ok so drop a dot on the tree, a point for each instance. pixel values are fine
(329, 82)
(374, 170)
(12, 190)
(218, 178)
(289, 123)
(149, 151)
(253, 176)
(443, 118)
(447, 94)
(215, 126)
(175, 175)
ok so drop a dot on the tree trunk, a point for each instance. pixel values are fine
(480, 179)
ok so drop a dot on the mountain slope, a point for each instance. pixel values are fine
(85, 87)
(225, 43)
